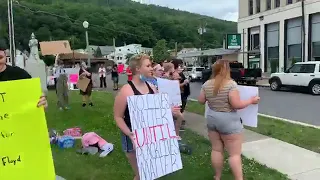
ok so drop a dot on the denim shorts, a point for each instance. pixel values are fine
(126, 142)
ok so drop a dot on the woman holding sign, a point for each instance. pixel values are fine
(86, 95)
(141, 69)
(10, 73)
(223, 122)
(171, 74)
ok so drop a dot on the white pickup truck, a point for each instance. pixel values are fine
(301, 74)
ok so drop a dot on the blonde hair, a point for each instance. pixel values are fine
(220, 74)
(136, 62)
(167, 66)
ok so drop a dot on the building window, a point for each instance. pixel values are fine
(273, 47)
(293, 39)
(250, 7)
(268, 5)
(257, 6)
(315, 37)
(277, 3)
(289, 1)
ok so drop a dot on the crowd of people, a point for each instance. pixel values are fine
(225, 129)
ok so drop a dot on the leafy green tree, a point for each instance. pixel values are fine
(97, 52)
(128, 57)
(124, 20)
(160, 51)
(48, 60)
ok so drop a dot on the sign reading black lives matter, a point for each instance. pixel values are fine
(157, 148)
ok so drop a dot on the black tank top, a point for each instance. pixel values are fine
(136, 92)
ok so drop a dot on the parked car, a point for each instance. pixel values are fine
(194, 73)
(238, 73)
(301, 74)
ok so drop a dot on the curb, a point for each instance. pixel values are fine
(289, 121)
(280, 119)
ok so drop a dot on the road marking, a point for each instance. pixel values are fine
(278, 118)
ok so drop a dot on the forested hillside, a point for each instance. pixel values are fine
(127, 21)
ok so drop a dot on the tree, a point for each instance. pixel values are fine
(3, 44)
(160, 51)
(128, 57)
(124, 20)
(48, 60)
(97, 52)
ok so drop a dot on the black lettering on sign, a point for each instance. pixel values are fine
(5, 135)
(157, 148)
(7, 161)
(2, 97)
(4, 116)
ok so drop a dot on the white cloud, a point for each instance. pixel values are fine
(222, 9)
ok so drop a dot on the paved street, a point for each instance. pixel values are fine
(295, 106)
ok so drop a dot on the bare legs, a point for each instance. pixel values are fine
(133, 162)
(233, 144)
(178, 123)
(86, 99)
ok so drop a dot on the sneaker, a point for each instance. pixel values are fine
(91, 104)
(67, 108)
(84, 105)
(60, 108)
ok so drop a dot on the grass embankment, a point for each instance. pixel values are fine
(115, 166)
(302, 136)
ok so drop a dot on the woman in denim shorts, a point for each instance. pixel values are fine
(140, 66)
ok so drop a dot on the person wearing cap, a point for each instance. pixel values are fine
(11, 73)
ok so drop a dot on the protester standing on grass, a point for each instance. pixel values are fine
(184, 86)
(84, 72)
(169, 73)
(223, 122)
(102, 75)
(115, 77)
(141, 68)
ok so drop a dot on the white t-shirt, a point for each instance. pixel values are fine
(102, 72)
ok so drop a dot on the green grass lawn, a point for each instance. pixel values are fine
(306, 137)
(115, 166)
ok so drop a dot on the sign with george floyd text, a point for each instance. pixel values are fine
(156, 143)
(25, 151)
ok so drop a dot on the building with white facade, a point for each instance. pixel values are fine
(120, 54)
(278, 33)
(187, 60)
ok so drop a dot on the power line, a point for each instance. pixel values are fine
(74, 20)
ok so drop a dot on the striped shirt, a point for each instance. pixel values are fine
(220, 102)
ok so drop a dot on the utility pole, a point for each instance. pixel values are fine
(114, 49)
(176, 48)
(11, 33)
(303, 34)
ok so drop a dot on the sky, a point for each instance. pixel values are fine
(222, 9)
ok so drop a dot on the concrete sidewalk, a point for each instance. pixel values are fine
(296, 162)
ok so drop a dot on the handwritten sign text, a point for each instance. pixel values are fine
(157, 147)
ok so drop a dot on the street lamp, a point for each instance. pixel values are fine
(86, 26)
